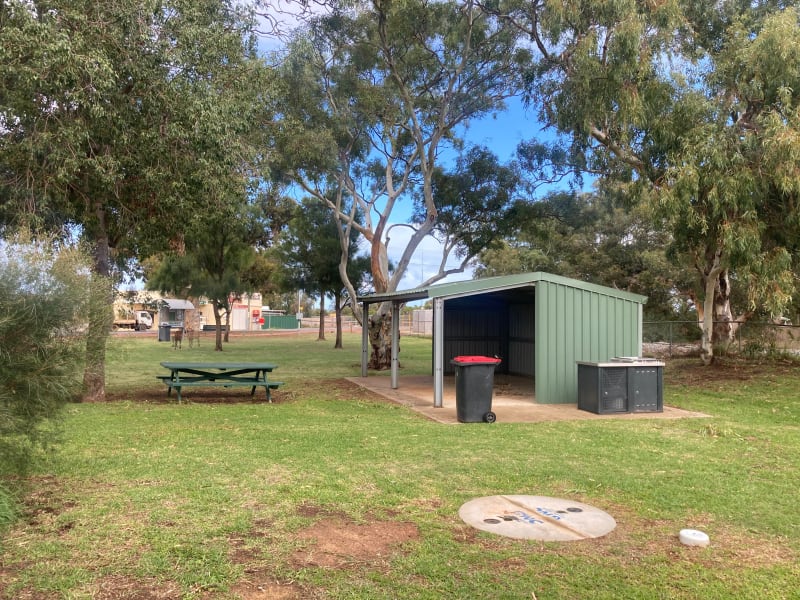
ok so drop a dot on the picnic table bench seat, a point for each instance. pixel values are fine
(252, 375)
(270, 385)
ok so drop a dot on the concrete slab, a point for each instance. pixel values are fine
(513, 401)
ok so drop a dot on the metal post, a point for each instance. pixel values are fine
(395, 343)
(438, 352)
(641, 330)
(364, 339)
(670, 340)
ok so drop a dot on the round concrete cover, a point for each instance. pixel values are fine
(537, 518)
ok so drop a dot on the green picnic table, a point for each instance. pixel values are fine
(219, 374)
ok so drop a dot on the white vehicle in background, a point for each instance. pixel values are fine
(139, 320)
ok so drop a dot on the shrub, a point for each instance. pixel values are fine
(43, 292)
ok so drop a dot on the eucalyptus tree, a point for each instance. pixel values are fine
(116, 118)
(213, 260)
(374, 94)
(310, 254)
(694, 107)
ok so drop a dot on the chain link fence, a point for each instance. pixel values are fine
(660, 338)
(681, 338)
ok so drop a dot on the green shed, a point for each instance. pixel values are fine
(540, 324)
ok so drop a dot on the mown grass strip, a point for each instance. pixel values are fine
(214, 499)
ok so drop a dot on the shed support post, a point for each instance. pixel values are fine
(641, 330)
(438, 352)
(364, 339)
(395, 343)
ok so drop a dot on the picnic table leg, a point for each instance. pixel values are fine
(261, 376)
(256, 378)
(169, 387)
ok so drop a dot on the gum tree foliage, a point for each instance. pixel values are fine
(476, 203)
(270, 212)
(213, 261)
(594, 238)
(692, 107)
(43, 306)
(372, 96)
(116, 120)
(310, 255)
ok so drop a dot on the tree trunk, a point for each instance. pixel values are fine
(725, 323)
(218, 323)
(337, 303)
(227, 333)
(710, 276)
(321, 334)
(101, 315)
(706, 317)
(380, 338)
(715, 317)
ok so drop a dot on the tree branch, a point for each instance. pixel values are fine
(626, 157)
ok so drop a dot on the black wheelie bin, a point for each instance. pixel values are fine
(474, 383)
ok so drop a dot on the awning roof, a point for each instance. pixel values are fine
(178, 304)
(492, 284)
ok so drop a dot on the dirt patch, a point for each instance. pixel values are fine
(343, 389)
(256, 590)
(335, 542)
(332, 389)
(259, 582)
(30, 595)
(43, 504)
(117, 587)
(313, 511)
(732, 370)
(111, 587)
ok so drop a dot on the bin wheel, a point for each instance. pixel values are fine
(490, 417)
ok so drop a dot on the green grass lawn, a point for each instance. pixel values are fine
(331, 492)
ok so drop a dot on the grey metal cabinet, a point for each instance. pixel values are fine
(621, 386)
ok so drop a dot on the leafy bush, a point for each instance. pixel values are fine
(43, 292)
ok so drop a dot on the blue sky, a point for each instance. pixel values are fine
(502, 132)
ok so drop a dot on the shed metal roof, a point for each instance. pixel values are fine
(492, 284)
(178, 304)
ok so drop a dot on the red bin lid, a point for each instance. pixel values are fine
(491, 360)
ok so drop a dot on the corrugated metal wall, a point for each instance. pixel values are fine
(492, 325)
(474, 327)
(574, 324)
(521, 339)
(281, 322)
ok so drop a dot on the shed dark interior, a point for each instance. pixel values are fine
(499, 323)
